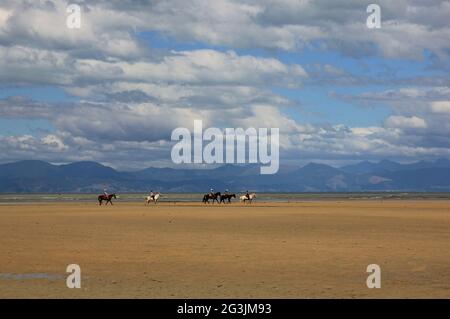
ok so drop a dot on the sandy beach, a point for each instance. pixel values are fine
(190, 250)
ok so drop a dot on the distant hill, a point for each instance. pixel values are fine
(367, 167)
(38, 176)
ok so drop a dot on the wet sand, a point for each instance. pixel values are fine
(189, 250)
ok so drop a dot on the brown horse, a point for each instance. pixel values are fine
(215, 198)
(227, 196)
(108, 198)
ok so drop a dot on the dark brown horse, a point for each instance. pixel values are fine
(227, 196)
(108, 198)
(209, 196)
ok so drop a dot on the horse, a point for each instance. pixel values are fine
(108, 198)
(250, 197)
(227, 196)
(209, 196)
(155, 198)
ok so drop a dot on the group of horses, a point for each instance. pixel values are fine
(215, 197)
(221, 198)
(108, 198)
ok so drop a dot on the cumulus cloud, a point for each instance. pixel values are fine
(408, 27)
(420, 114)
(442, 107)
(396, 121)
(53, 141)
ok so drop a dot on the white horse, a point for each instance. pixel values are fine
(250, 197)
(155, 198)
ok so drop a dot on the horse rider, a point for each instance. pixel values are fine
(211, 192)
(247, 195)
(226, 191)
(105, 193)
(152, 195)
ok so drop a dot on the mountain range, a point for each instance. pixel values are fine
(87, 177)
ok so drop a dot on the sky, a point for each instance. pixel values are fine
(113, 90)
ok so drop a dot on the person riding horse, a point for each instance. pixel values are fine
(247, 197)
(211, 195)
(106, 197)
(152, 196)
(227, 196)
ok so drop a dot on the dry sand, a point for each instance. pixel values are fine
(189, 250)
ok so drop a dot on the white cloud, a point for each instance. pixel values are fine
(396, 121)
(440, 107)
(54, 142)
